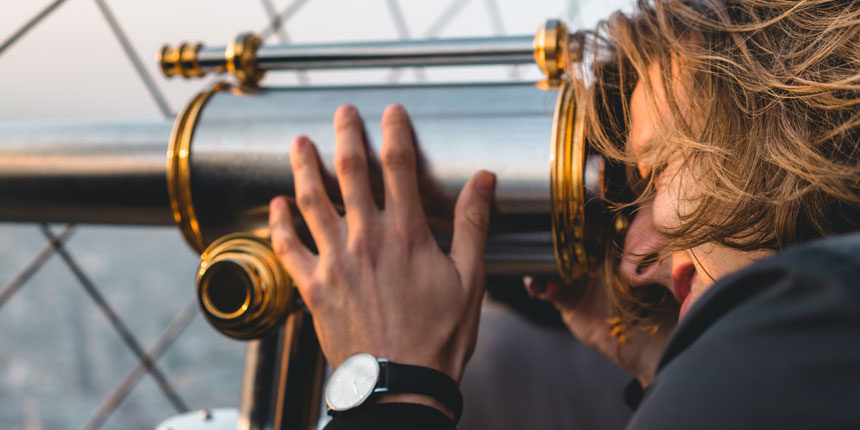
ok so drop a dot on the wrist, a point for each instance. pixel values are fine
(649, 357)
(363, 377)
(418, 399)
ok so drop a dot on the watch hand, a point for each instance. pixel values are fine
(354, 388)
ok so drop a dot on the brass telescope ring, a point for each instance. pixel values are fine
(567, 168)
(179, 168)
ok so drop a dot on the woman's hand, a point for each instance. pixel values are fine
(380, 283)
(588, 316)
(586, 309)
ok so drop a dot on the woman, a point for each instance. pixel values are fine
(744, 127)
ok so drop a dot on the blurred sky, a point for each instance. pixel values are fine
(70, 67)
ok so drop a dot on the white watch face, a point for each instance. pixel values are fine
(352, 382)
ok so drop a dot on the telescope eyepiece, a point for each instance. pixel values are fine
(242, 288)
(227, 288)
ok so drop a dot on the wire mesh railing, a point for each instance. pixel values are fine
(146, 359)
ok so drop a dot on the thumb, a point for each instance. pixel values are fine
(471, 223)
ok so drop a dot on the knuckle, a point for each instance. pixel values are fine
(308, 200)
(477, 218)
(364, 249)
(350, 164)
(332, 271)
(406, 234)
(359, 239)
(281, 244)
(313, 293)
(397, 157)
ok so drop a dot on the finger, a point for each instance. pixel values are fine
(471, 224)
(294, 255)
(350, 163)
(398, 165)
(313, 202)
(553, 291)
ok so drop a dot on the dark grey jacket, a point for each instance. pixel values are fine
(776, 345)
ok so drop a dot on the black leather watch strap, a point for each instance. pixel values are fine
(405, 378)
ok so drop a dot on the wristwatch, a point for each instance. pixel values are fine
(359, 377)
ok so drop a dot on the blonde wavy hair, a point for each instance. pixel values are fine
(767, 119)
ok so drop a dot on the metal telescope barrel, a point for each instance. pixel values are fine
(239, 160)
(244, 140)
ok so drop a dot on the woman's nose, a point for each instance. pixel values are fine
(641, 262)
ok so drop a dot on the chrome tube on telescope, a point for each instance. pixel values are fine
(424, 53)
(551, 49)
(195, 60)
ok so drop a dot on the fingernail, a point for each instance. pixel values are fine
(278, 203)
(485, 182)
(533, 288)
(301, 142)
(528, 280)
(348, 109)
(395, 109)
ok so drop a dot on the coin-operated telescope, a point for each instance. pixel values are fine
(227, 156)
